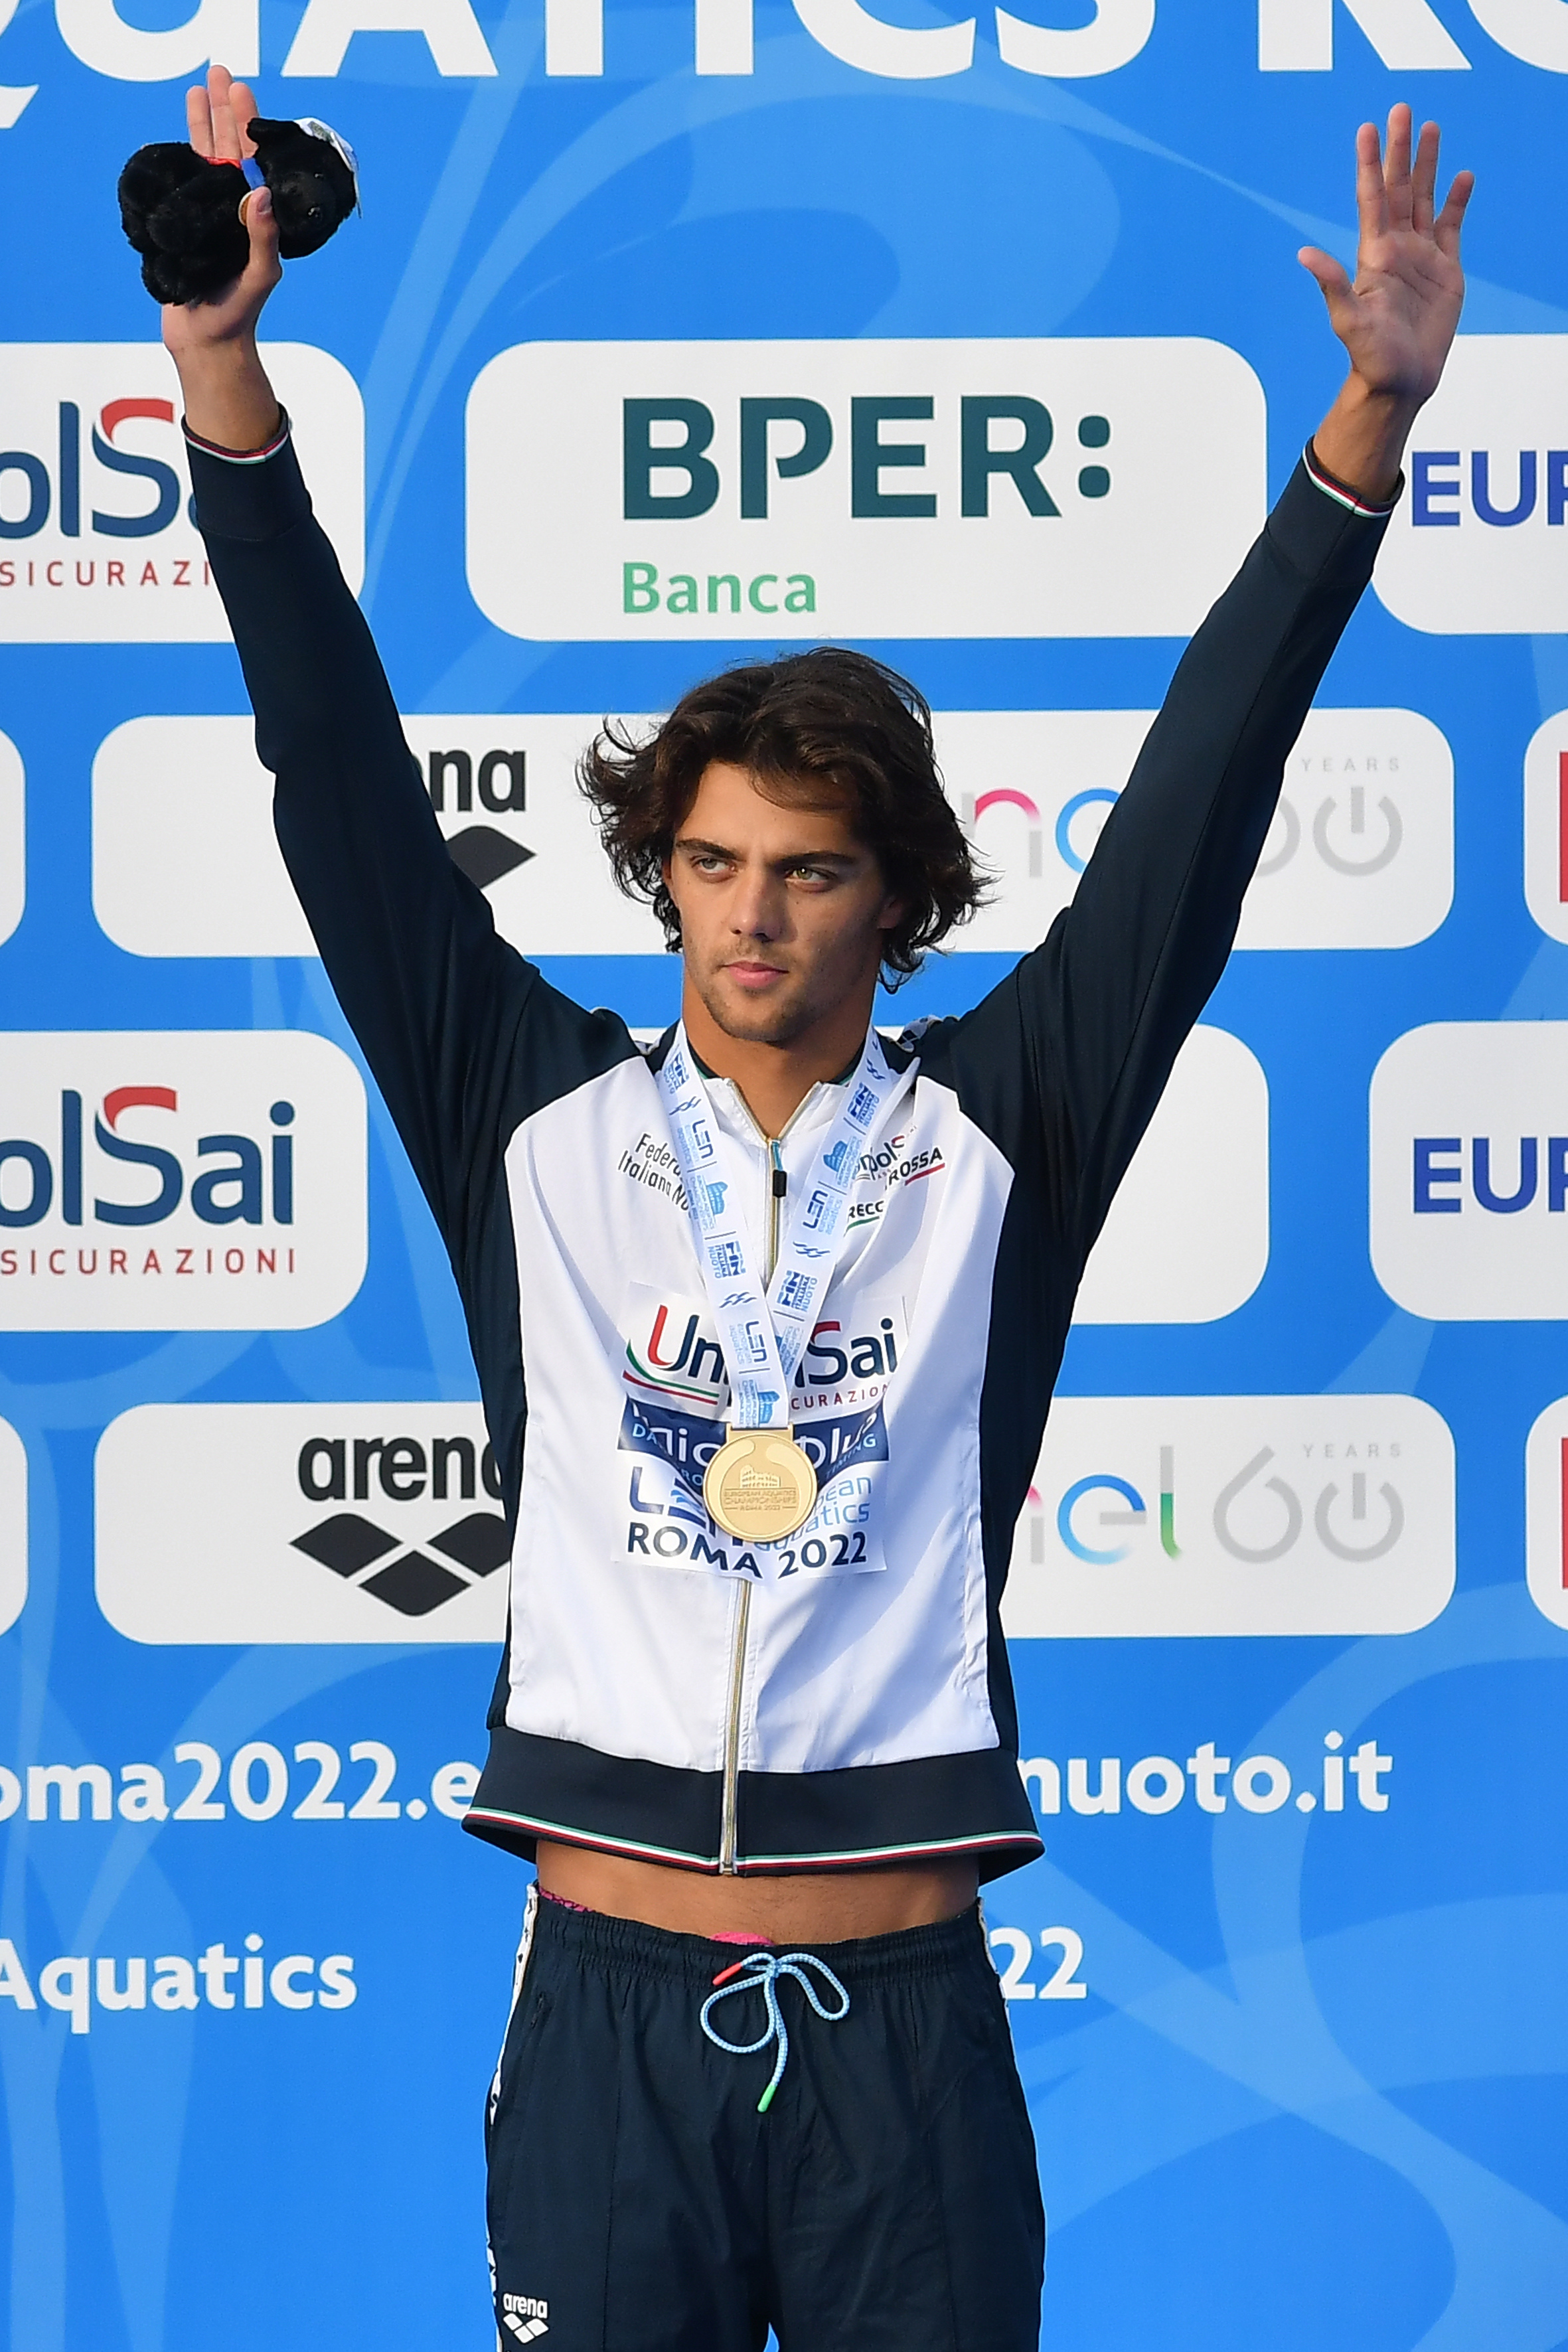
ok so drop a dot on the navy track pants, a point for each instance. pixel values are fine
(887, 2201)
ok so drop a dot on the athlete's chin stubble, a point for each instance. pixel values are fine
(753, 1023)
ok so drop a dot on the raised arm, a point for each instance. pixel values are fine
(1064, 1063)
(463, 1036)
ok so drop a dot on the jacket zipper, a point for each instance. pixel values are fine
(777, 1185)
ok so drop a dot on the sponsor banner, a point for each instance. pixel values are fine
(300, 1523)
(185, 862)
(1546, 1512)
(87, 1989)
(12, 1526)
(1470, 1171)
(97, 544)
(1278, 37)
(1478, 544)
(1361, 853)
(1107, 487)
(13, 837)
(1186, 1240)
(1098, 1787)
(1187, 1237)
(253, 1784)
(1546, 825)
(178, 1180)
(1244, 1515)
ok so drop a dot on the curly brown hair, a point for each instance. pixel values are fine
(828, 717)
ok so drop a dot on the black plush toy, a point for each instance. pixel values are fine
(182, 212)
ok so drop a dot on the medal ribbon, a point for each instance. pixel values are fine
(763, 1331)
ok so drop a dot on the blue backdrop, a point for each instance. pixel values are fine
(1313, 2091)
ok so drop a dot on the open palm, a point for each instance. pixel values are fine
(1398, 319)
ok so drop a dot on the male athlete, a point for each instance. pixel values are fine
(766, 1324)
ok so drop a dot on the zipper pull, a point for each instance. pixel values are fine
(781, 1183)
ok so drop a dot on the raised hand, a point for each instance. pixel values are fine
(216, 116)
(227, 396)
(1398, 317)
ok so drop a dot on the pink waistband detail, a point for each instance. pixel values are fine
(729, 1936)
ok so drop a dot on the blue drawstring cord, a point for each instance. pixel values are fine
(764, 1970)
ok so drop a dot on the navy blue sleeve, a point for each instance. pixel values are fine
(463, 1035)
(1063, 1064)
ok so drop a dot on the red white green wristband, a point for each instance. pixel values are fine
(1372, 509)
(242, 457)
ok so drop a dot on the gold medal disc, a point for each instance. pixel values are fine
(760, 1485)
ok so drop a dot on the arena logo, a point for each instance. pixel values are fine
(97, 541)
(198, 1180)
(1470, 1171)
(407, 1470)
(1235, 1514)
(1361, 853)
(859, 489)
(185, 861)
(1290, 37)
(300, 1523)
(1478, 545)
(1546, 825)
(1546, 1512)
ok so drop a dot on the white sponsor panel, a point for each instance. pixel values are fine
(300, 1523)
(1546, 825)
(185, 862)
(1107, 487)
(178, 1180)
(1240, 1515)
(1478, 544)
(1546, 1512)
(13, 837)
(184, 859)
(1187, 1237)
(12, 1526)
(97, 546)
(1470, 1171)
(1361, 853)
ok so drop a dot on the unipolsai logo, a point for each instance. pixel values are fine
(97, 539)
(159, 1181)
(1235, 1514)
(673, 1352)
(899, 488)
(301, 1523)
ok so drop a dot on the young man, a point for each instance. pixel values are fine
(777, 1311)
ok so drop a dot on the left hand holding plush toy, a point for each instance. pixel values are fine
(182, 204)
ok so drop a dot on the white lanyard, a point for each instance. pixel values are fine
(763, 1331)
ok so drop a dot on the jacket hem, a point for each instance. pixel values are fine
(859, 1817)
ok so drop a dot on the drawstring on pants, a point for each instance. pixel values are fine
(764, 1970)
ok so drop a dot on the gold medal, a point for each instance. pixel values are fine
(760, 1485)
